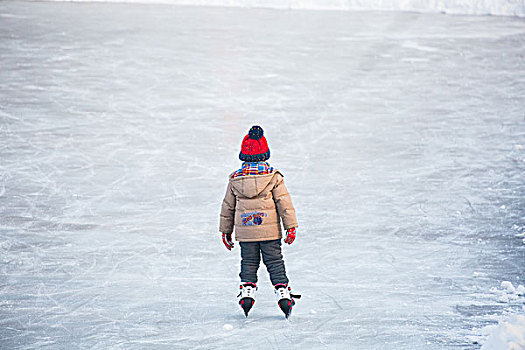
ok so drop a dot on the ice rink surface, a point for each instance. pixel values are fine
(401, 137)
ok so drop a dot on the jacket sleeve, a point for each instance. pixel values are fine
(283, 203)
(227, 217)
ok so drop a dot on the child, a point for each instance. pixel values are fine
(256, 201)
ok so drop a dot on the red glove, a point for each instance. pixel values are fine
(227, 240)
(290, 235)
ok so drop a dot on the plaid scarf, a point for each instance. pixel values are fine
(253, 168)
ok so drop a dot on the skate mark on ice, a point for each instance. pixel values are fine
(324, 323)
(470, 204)
(333, 299)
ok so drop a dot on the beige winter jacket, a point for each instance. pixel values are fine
(255, 205)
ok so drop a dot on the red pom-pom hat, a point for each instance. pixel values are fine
(254, 147)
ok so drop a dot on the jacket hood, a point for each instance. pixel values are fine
(252, 186)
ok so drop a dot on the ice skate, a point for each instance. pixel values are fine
(247, 296)
(285, 298)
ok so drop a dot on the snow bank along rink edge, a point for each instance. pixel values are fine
(457, 7)
(507, 335)
(509, 332)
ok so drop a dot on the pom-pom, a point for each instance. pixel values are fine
(256, 132)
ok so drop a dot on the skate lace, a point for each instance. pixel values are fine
(248, 292)
(283, 293)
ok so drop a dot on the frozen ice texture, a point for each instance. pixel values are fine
(395, 132)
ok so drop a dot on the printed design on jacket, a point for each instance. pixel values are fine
(253, 218)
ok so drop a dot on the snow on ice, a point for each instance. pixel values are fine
(396, 132)
(508, 335)
(465, 7)
(508, 287)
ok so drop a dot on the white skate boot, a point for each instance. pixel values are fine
(247, 296)
(285, 298)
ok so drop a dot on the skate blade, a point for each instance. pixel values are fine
(246, 305)
(286, 306)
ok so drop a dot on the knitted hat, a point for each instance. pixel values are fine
(254, 147)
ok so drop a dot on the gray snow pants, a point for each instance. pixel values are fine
(272, 258)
